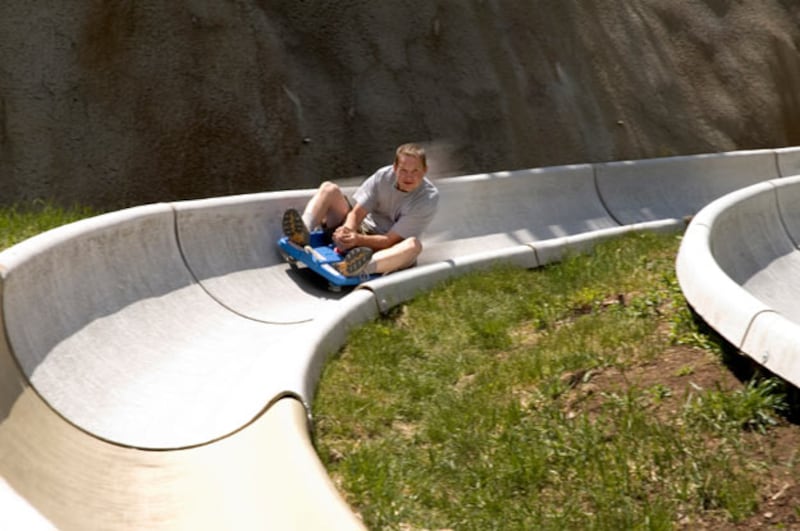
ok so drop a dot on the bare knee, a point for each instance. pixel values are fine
(329, 188)
(414, 246)
(400, 256)
(329, 206)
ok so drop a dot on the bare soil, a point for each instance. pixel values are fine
(778, 448)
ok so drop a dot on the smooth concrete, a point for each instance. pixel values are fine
(664, 188)
(737, 266)
(706, 281)
(483, 213)
(243, 270)
(157, 364)
(788, 161)
(113, 332)
(265, 476)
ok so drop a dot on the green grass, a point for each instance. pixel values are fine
(23, 221)
(460, 410)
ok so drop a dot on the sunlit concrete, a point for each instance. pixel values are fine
(738, 267)
(157, 364)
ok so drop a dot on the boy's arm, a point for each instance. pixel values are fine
(350, 237)
(355, 217)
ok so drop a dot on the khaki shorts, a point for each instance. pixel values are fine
(363, 229)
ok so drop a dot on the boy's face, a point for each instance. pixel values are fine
(409, 171)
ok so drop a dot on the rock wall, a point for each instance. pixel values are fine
(115, 102)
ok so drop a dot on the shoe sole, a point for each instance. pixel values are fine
(355, 262)
(294, 228)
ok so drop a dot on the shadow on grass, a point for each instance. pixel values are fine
(745, 369)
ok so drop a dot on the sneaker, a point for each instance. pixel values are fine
(355, 262)
(294, 228)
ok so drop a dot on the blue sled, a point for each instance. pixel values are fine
(319, 256)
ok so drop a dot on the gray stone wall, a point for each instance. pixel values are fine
(115, 102)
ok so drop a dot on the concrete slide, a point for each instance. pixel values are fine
(737, 264)
(157, 364)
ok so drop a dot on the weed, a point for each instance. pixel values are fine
(20, 222)
(473, 407)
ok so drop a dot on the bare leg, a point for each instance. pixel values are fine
(328, 205)
(398, 256)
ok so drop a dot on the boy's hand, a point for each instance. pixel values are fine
(345, 238)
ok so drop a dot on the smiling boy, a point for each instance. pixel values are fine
(379, 231)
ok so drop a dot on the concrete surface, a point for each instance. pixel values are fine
(157, 363)
(737, 266)
(120, 103)
(481, 213)
(673, 187)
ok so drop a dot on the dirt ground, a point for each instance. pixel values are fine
(780, 492)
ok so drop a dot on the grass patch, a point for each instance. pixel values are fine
(544, 399)
(506, 400)
(20, 222)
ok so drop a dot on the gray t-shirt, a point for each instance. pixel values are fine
(391, 210)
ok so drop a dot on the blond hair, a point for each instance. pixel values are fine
(412, 150)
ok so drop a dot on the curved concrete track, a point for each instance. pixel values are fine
(738, 266)
(157, 363)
